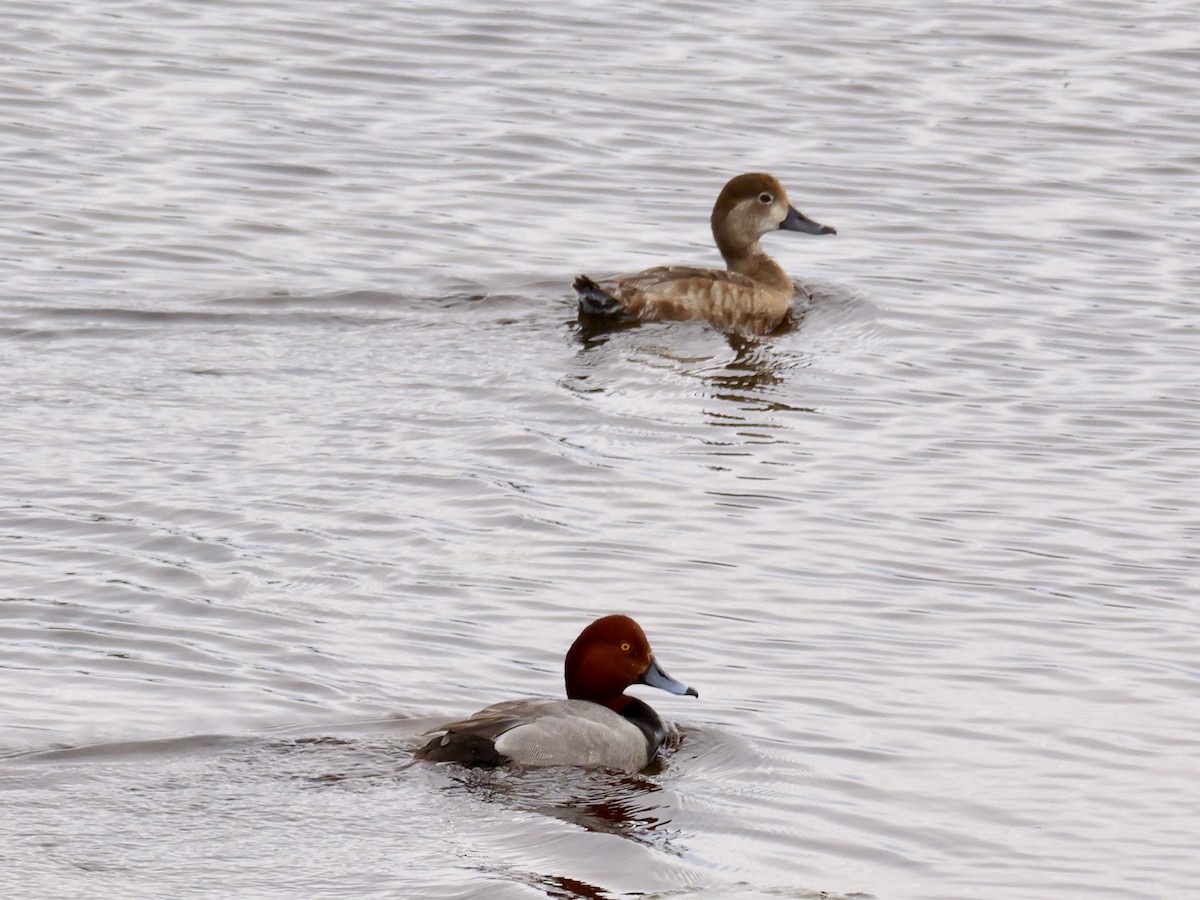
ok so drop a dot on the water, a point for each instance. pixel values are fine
(305, 450)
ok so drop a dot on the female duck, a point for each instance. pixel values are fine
(598, 726)
(753, 296)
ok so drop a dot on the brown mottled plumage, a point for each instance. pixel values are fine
(752, 296)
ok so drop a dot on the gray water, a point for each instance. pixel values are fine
(305, 450)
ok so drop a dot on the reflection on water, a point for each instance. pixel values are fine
(593, 331)
(755, 366)
(562, 888)
(597, 801)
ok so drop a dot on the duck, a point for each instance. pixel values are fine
(598, 726)
(751, 295)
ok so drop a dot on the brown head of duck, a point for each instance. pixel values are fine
(751, 206)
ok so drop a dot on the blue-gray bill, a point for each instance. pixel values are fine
(798, 221)
(655, 676)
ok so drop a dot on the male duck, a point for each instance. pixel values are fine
(598, 726)
(753, 297)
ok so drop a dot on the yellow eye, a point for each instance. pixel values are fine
(625, 646)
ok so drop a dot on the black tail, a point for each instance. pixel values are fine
(593, 301)
(462, 747)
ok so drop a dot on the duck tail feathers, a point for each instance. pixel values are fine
(594, 300)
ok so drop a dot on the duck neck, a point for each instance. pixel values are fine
(615, 702)
(752, 262)
(595, 689)
(648, 722)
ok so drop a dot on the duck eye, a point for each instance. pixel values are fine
(765, 198)
(625, 648)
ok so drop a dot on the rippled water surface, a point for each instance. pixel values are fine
(305, 450)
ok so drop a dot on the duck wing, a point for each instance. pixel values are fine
(540, 733)
(659, 278)
(663, 292)
(472, 741)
